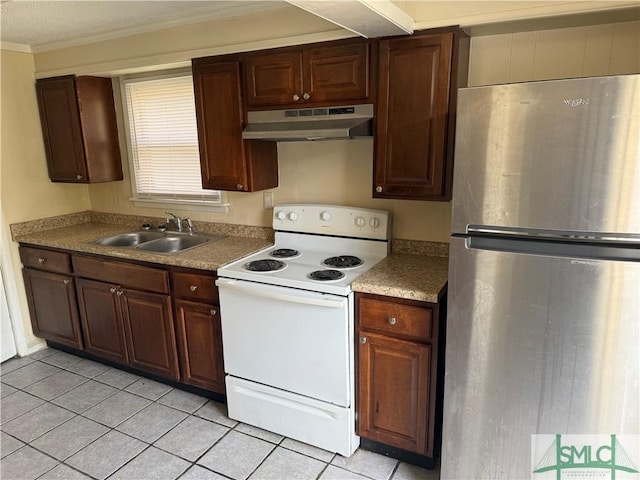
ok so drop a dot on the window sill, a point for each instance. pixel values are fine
(195, 205)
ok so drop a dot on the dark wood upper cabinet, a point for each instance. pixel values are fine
(321, 74)
(273, 78)
(227, 161)
(79, 129)
(418, 77)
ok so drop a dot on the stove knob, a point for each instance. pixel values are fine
(293, 216)
(325, 216)
(360, 222)
(281, 215)
(374, 222)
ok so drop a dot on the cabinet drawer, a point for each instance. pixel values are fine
(195, 286)
(124, 274)
(395, 318)
(59, 262)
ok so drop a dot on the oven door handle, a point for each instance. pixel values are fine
(252, 289)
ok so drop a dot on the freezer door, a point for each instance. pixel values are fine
(549, 155)
(535, 345)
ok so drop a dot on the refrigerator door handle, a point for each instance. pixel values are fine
(557, 235)
(573, 249)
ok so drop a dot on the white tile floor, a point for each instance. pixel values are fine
(64, 417)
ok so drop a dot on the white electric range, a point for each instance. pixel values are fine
(288, 323)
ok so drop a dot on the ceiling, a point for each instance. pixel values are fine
(38, 25)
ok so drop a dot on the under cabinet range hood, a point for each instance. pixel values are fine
(322, 123)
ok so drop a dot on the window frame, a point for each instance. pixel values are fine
(214, 205)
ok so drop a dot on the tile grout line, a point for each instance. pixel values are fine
(189, 414)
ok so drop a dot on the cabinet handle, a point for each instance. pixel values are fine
(119, 292)
(306, 96)
(363, 340)
(66, 281)
(239, 186)
(296, 97)
(379, 189)
(392, 320)
(79, 177)
(213, 312)
(113, 289)
(193, 288)
(41, 260)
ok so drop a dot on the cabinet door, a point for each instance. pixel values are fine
(61, 129)
(99, 129)
(336, 73)
(200, 345)
(149, 332)
(101, 320)
(227, 162)
(220, 119)
(411, 155)
(393, 388)
(273, 79)
(53, 306)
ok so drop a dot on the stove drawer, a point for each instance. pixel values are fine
(398, 319)
(305, 419)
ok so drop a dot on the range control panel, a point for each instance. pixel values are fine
(332, 220)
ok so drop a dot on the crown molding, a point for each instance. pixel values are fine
(15, 47)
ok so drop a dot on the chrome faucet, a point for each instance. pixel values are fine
(176, 220)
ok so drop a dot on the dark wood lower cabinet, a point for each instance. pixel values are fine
(123, 312)
(127, 315)
(200, 345)
(393, 391)
(148, 324)
(53, 306)
(399, 376)
(102, 320)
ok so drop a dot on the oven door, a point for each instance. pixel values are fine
(286, 338)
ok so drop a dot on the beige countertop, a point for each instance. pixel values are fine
(414, 277)
(80, 238)
(419, 275)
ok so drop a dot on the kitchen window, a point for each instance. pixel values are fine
(162, 139)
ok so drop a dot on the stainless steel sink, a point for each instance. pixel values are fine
(129, 239)
(173, 243)
(158, 242)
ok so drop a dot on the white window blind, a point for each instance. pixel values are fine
(163, 140)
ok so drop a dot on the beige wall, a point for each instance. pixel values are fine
(608, 49)
(335, 172)
(25, 188)
(430, 14)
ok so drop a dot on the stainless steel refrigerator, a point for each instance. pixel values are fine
(544, 278)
